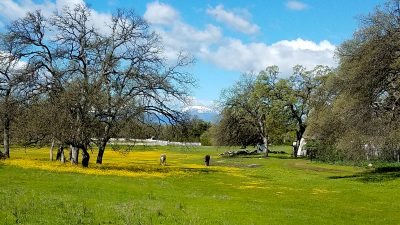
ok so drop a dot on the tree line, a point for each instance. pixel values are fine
(346, 113)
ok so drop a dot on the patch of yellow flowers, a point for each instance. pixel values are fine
(132, 164)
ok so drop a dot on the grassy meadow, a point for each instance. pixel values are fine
(132, 188)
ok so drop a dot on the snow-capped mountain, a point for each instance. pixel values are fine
(202, 112)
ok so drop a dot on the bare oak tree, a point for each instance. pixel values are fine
(96, 78)
(135, 80)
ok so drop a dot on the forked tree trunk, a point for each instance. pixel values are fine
(6, 137)
(74, 154)
(299, 136)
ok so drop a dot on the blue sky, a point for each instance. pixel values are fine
(229, 38)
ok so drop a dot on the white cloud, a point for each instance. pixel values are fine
(237, 56)
(296, 5)
(12, 10)
(207, 43)
(183, 37)
(210, 45)
(233, 20)
(177, 35)
(6, 59)
(100, 21)
(160, 13)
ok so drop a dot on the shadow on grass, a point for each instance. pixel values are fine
(237, 165)
(381, 174)
(262, 155)
(152, 168)
(281, 156)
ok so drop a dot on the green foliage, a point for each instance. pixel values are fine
(276, 110)
(190, 130)
(234, 130)
(196, 128)
(206, 138)
(357, 111)
(252, 114)
(320, 150)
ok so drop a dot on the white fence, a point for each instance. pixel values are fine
(150, 142)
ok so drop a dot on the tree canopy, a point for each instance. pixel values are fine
(269, 107)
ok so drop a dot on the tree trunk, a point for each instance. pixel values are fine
(60, 154)
(6, 137)
(70, 153)
(263, 133)
(398, 155)
(265, 141)
(51, 150)
(103, 143)
(299, 136)
(85, 157)
(296, 148)
(62, 159)
(102, 147)
(74, 154)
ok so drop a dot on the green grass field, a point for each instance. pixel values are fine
(131, 188)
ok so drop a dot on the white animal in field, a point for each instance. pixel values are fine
(163, 159)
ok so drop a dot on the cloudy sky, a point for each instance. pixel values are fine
(229, 38)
